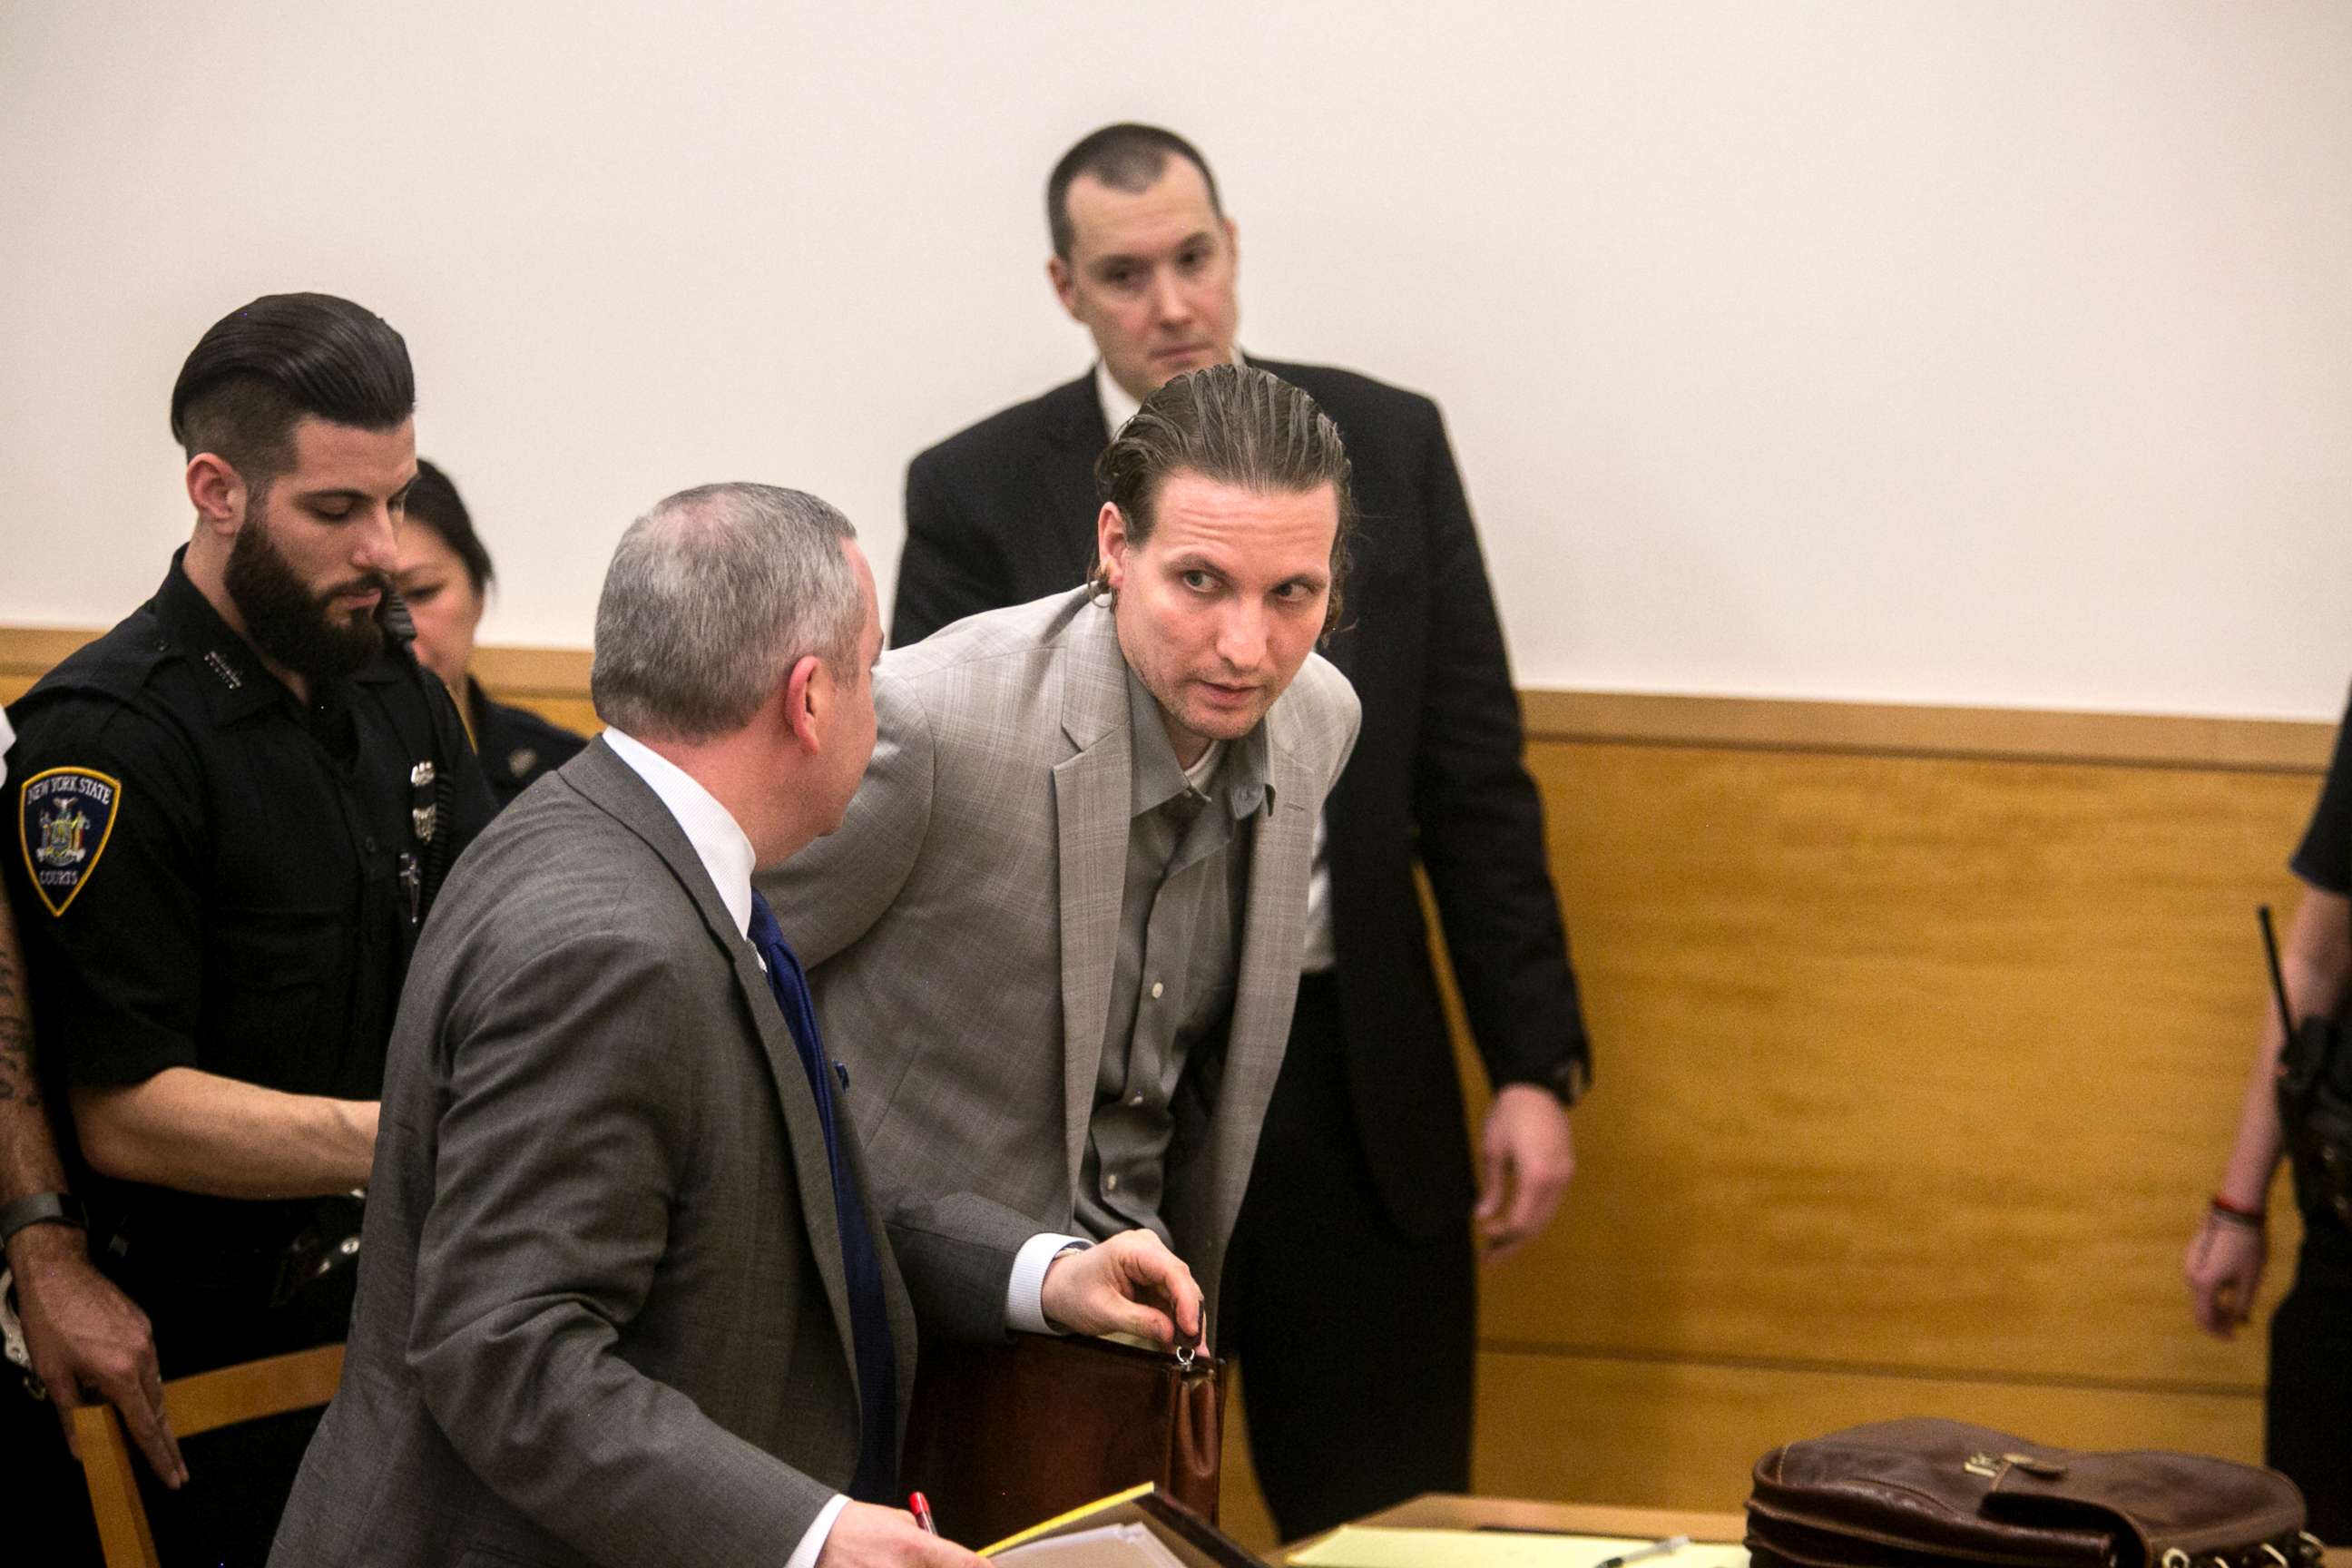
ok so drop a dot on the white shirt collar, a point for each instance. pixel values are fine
(718, 838)
(1117, 406)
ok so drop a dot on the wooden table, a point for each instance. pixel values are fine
(1446, 1511)
(1442, 1511)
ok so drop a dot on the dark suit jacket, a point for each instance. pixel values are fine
(602, 1313)
(1004, 512)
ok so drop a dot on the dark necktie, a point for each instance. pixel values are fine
(877, 1361)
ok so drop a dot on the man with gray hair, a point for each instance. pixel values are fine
(629, 1294)
(1059, 932)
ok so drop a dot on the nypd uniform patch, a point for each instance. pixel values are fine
(64, 818)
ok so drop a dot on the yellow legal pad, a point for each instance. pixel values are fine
(1060, 1521)
(1134, 1529)
(1372, 1546)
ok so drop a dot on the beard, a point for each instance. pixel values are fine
(290, 623)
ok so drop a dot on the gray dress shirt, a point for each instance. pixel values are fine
(1171, 993)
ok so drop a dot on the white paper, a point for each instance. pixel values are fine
(1367, 1546)
(1107, 1546)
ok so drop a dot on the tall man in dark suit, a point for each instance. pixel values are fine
(629, 1294)
(1361, 1173)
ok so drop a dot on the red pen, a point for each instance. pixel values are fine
(921, 1507)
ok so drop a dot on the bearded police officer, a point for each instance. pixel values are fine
(233, 811)
(65, 1326)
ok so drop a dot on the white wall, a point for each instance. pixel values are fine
(1971, 352)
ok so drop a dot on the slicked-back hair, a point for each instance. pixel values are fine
(262, 368)
(434, 501)
(1125, 157)
(711, 598)
(1234, 425)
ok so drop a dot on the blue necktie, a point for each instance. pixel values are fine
(877, 1361)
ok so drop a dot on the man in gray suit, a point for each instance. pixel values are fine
(627, 1294)
(1059, 932)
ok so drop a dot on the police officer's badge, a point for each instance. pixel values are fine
(64, 818)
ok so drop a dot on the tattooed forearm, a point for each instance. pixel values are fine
(29, 1150)
(17, 1080)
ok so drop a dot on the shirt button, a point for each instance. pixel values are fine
(1156, 989)
(1110, 1183)
(368, 844)
(1136, 1098)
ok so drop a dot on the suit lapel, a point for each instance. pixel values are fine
(1091, 794)
(1274, 936)
(614, 785)
(804, 1130)
(1074, 437)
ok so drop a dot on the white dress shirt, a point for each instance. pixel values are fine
(729, 860)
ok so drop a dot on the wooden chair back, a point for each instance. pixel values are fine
(201, 1403)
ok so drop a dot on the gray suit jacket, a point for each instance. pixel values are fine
(961, 926)
(602, 1316)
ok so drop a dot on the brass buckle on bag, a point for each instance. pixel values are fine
(1992, 1469)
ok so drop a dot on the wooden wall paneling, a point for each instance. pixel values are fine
(1242, 1512)
(27, 652)
(2013, 734)
(575, 714)
(1677, 1435)
(1920, 1034)
(533, 671)
(1901, 1061)
(529, 676)
(551, 682)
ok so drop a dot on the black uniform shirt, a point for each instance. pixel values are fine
(210, 874)
(515, 745)
(2323, 860)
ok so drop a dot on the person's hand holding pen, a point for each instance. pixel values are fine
(1131, 1284)
(866, 1536)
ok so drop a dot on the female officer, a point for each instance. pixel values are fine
(2307, 1407)
(445, 575)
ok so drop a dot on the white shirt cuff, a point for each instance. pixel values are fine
(1025, 1313)
(806, 1554)
(1025, 1294)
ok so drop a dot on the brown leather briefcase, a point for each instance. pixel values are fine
(1904, 1494)
(1000, 1438)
